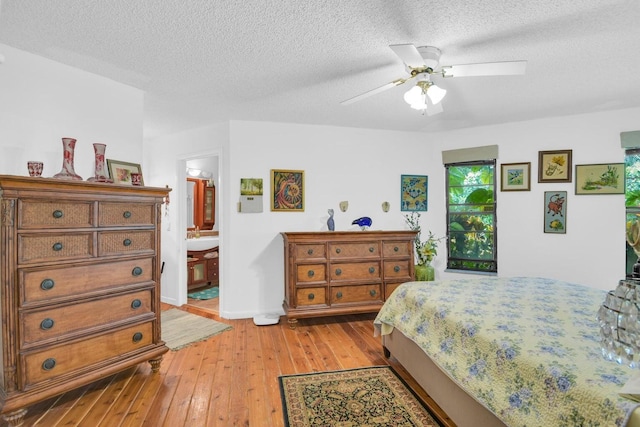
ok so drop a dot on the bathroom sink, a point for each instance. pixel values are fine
(202, 243)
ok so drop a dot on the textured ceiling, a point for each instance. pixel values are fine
(201, 61)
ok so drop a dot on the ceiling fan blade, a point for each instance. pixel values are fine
(409, 55)
(373, 91)
(485, 69)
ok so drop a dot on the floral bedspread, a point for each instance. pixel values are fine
(528, 349)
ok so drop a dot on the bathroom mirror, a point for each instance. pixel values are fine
(201, 207)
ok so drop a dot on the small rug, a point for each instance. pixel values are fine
(373, 396)
(208, 293)
(180, 328)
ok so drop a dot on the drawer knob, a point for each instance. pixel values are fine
(46, 324)
(338, 271)
(58, 214)
(372, 270)
(310, 252)
(396, 268)
(136, 303)
(396, 249)
(57, 246)
(338, 250)
(126, 214)
(372, 292)
(311, 296)
(137, 337)
(127, 242)
(310, 273)
(47, 284)
(371, 249)
(137, 271)
(339, 295)
(49, 364)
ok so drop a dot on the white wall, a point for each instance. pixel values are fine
(42, 101)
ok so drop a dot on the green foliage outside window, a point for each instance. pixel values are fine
(471, 216)
(632, 200)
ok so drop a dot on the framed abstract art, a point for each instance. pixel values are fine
(414, 193)
(287, 190)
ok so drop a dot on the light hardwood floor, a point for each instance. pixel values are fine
(230, 379)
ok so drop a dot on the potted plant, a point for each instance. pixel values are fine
(425, 250)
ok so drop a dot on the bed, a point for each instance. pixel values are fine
(507, 351)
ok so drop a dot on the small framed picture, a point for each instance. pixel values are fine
(605, 178)
(554, 166)
(414, 193)
(515, 176)
(120, 172)
(287, 190)
(555, 212)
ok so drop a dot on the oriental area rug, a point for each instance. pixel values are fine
(180, 328)
(374, 396)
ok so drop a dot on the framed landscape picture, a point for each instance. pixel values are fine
(287, 190)
(605, 178)
(120, 172)
(555, 212)
(515, 176)
(554, 166)
(414, 192)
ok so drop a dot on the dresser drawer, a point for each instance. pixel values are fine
(54, 247)
(354, 250)
(60, 321)
(397, 249)
(397, 269)
(355, 293)
(125, 214)
(39, 285)
(64, 359)
(311, 273)
(303, 252)
(311, 296)
(350, 271)
(125, 242)
(54, 214)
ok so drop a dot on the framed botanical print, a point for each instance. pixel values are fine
(554, 166)
(515, 176)
(555, 212)
(605, 178)
(414, 192)
(287, 190)
(120, 172)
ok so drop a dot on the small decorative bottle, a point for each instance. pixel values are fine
(331, 225)
(68, 172)
(101, 172)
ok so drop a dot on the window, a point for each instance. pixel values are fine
(471, 216)
(632, 202)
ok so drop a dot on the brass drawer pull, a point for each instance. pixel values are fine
(57, 246)
(310, 252)
(127, 242)
(136, 303)
(372, 270)
(339, 295)
(58, 214)
(137, 271)
(396, 268)
(396, 249)
(126, 214)
(371, 249)
(338, 271)
(46, 324)
(47, 284)
(137, 337)
(311, 297)
(49, 364)
(338, 250)
(372, 292)
(310, 273)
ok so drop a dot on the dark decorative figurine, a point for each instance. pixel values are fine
(330, 223)
(364, 222)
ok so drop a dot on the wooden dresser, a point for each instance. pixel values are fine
(80, 285)
(333, 273)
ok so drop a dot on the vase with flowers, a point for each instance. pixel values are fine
(425, 250)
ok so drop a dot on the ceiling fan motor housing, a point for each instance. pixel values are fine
(431, 56)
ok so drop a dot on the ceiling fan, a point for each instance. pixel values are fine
(424, 62)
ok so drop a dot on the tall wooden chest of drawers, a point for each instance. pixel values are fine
(79, 284)
(334, 273)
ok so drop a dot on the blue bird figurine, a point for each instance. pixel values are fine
(364, 222)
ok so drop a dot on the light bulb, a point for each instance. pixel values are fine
(436, 93)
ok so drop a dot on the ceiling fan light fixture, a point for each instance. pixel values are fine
(416, 98)
(436, 93)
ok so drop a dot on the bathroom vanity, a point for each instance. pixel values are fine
(203, 268)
